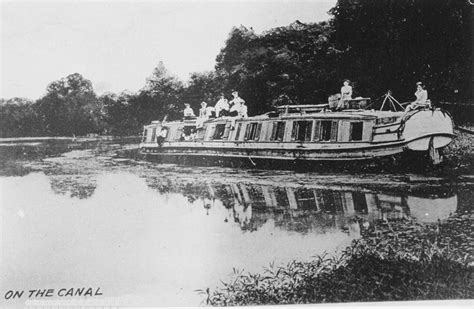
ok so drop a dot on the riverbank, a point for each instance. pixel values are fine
(393, 261)
(459, 155)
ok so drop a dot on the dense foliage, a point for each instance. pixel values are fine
(392, 44)
(377, 44)
(395, 260)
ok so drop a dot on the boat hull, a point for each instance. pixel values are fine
(320, 137)
(252, 151)
(428, 128)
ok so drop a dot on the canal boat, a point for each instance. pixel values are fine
(302, 133)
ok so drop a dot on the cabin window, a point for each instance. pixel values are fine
(153, 134)
(200, 133)
(237, 133)
(302, 131)
(356, 131)
(188, 133)
(189, 130)
(278, 131)
(144, 135)
(326, 130)
(219, 131)
(163, 132)
(252, 132)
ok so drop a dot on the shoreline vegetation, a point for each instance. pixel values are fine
(394, 260)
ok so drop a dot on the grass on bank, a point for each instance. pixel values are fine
(423, 266)
(460, 153)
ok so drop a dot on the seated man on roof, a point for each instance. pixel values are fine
(222, 107)
(188, 111)
(421, 97)
(238, 109)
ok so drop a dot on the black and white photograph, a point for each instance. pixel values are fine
(238, 153)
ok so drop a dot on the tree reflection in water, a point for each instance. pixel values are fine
(80, 186)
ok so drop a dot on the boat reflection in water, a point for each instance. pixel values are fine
(310, 209)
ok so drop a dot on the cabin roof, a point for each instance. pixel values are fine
(345, 114)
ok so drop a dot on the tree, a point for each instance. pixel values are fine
(392, 44)
(286, 65)
(118, 117)
(70, 107)
(160, 96)
(18, 118)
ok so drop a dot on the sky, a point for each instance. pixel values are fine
(116, 45)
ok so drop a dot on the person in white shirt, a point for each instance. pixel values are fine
(188, 112)
(222, 107)
(243, 110)
(236, 99)
(421, 97)
(204, 114)
(234, 110)
(204, 111)
(236, 106)
(346, 90)
(346, 94)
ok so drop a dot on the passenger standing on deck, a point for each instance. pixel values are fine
(188, 111)
(204, 111)
(222, 107)
(421, 97)
(203, 115)
(346, 94)
(346, 90)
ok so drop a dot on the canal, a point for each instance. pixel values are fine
(150, 234)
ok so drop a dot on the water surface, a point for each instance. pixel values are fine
(152, 235)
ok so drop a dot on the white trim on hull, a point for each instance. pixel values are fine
(334, 154)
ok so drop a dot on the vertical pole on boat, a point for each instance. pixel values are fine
(384, 100)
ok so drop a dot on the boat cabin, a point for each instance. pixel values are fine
(288, 127)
